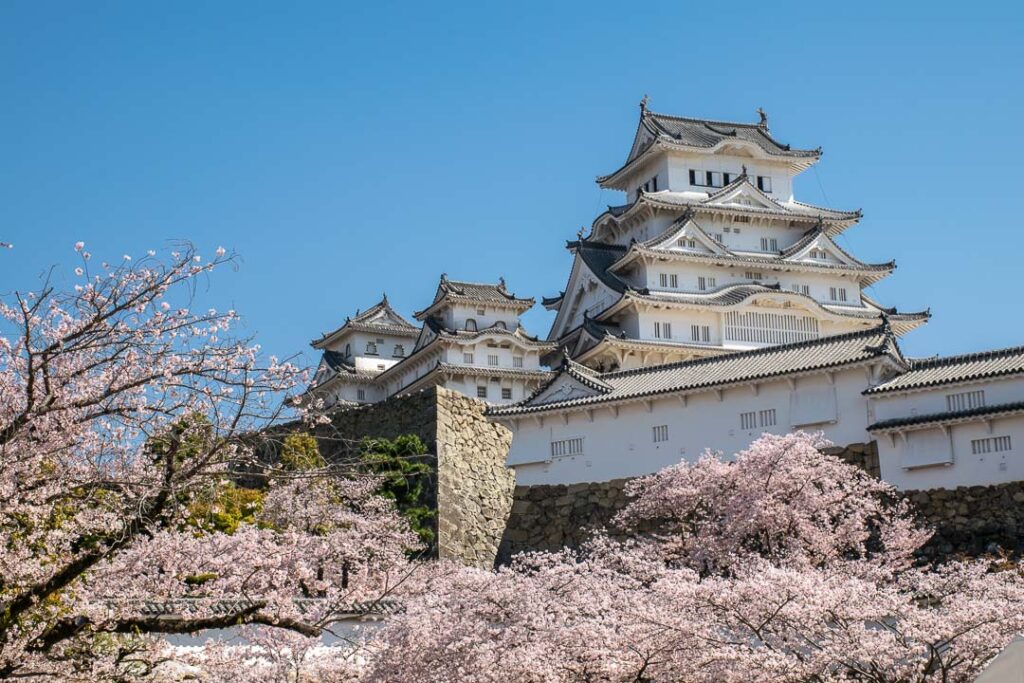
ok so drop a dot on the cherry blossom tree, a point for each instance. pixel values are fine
(782, 565)
(121, 407)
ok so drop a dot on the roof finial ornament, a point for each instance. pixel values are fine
(744, 174)
(644, 102)
(501, 282)
(579, 233)
(384, 299)
(763, 123)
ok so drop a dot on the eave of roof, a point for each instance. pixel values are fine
(836, 220)
(852, 349)
(704, 135)
(949, 417)
(474, 292)
(933, 372)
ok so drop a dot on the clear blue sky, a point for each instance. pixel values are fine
(348, 148)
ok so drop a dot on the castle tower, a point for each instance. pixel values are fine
(711, 253)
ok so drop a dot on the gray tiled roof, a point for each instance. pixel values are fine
(708, 373)
(437, 327)
(370, 320)
(599, 257)
(931, 372)
(707, 133)
(949, 416)
(476, 292)
(794, 210)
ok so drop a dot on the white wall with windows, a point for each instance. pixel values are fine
(640, 438)
(779, 176)
(964, 454)
(968, 452)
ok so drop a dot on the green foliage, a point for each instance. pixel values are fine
(224, 507)
(300, 452)
(189, 436)
(406, 475)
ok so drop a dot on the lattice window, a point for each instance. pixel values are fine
(748, 420)
(517, 361)
(769, 328)
(766, 417)
(467, 358)
(506, 393)
(566, 447)
(492, 360)
(769, 244)
(965, 400)
(992, 444)
(700, 333)
(481, 391)
(660, 433)
(662, 330)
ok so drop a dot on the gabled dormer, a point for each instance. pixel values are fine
(686, 235)
(741, 193)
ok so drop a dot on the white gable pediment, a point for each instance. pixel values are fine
(744, 195)
(688, 238)
(822, 250)
(562, 388)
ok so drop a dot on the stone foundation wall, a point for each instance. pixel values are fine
(973, 519)
(968, 520)
(474, 488)
(471, 488)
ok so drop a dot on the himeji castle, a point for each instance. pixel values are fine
(711, 254)
(470, 340)
(711, 307)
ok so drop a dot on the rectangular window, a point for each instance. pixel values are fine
(506, 393)
(660, 433)
(742, 219)
(517, 361)
(718, 236)
(727, 177)
(687, 243)
(467, 358)
(764, 183)
(663, 279)
(361, 394)
(965, 400)
(704, 283)
(492, 360)
(748, 420)
(399, 351)
(698, 178)
(714, 178)
(769, 244)
(992, 444)
(753, 275)
(767, 417)
(700, 333)
(481, 311)
(481, 391)
(819, 254)
(837, 293)
(727, 229)
(802, 289)
(565, 447)
(662, 330)
(673, 281)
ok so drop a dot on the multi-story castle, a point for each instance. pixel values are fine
(712, 253)
(711, 307)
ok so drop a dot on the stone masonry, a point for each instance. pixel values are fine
(472, 488)
(967, 520)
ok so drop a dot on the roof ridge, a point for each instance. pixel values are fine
(871, 331)
(938, 361)
(691, 119)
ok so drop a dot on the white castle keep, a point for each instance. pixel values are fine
(711, 307)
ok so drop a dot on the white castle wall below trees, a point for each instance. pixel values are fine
(622, 445)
